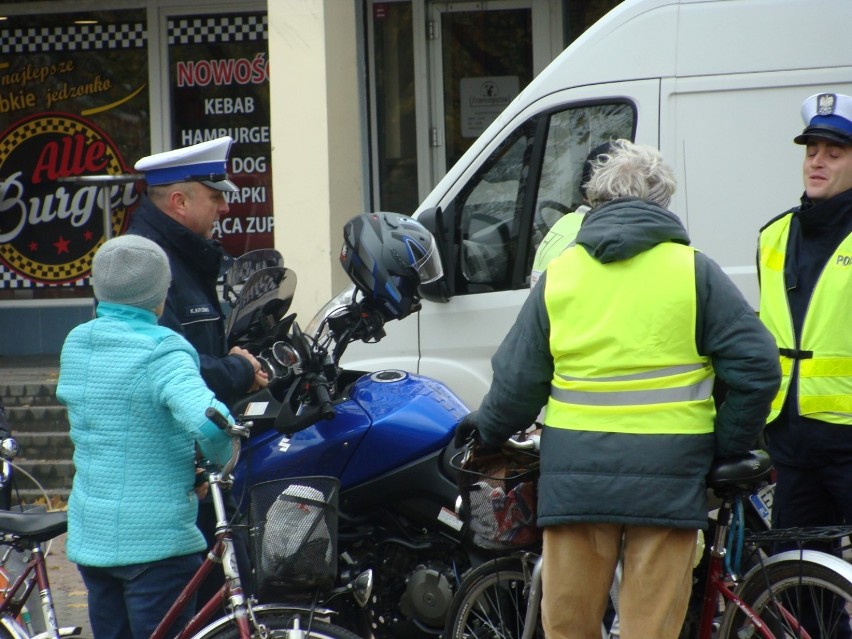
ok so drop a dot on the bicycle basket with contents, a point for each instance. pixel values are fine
(293, 528)
(499, 490)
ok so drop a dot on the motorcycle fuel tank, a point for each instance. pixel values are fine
(411, 416)
(388, 419)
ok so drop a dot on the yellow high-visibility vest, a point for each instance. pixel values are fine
(824, 354)
(622, 336)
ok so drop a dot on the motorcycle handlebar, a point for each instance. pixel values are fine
(326, 409)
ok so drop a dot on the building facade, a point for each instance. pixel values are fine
(335, 106)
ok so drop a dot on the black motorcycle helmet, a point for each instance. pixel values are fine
(387, 256)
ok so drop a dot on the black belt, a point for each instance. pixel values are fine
(794, 353)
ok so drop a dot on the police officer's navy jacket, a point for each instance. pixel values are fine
(600, 460)
(192, 304)
(805, 263)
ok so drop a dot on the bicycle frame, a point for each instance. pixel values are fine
(241, 608)
(715, 585)
(17, 594)
(222, 552)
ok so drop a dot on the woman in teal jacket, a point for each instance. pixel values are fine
(136, 403)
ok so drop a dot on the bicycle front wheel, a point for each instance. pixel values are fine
(276, 623)
(491, 603)
(791, 597)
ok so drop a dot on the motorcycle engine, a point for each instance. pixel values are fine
(428, 596)
(413, 590)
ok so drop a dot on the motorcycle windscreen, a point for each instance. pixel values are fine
(249, 263)
(263, 301)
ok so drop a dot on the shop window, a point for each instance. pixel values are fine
(219, 85)
(74, 103)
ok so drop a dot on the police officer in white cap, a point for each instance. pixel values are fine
(186, 196)
(805, 267)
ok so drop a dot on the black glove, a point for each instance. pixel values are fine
(466, 431)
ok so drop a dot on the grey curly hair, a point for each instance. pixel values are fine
(630, 170)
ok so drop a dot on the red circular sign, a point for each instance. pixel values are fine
(50, 225)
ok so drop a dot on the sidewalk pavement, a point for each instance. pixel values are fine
(70, 597)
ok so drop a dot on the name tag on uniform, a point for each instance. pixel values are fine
(199, 313)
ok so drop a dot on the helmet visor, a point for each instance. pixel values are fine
(429, 267)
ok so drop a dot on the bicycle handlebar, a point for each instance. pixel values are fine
(217, 418)
(532, 442)
(236, 431)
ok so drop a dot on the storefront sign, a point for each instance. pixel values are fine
(50, 228)
(220, 86)
(482, 100)
(73, 103)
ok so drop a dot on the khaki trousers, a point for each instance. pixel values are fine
(578, 569)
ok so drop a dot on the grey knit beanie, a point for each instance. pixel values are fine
(131, 270)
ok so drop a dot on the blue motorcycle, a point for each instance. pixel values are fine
(386, 436)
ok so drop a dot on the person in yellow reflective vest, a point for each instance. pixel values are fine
(805, 268)
(562, 234)
(620, 340)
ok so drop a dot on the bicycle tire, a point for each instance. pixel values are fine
(791, 583)
(5, 634)
(491, 603)
(279, 621)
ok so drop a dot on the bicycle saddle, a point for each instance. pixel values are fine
(751, 468)
(38, 526)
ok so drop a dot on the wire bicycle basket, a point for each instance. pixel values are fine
(293, 530)
(499, 491)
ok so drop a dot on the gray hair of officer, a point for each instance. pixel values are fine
(630, 170)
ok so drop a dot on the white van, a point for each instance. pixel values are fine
(716, 85)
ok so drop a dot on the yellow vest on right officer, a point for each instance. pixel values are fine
(622, 336)
(824, 354)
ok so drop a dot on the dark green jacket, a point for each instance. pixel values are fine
(635, 479)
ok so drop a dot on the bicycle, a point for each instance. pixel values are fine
(26, 536)
(244, 619)
(500, 599)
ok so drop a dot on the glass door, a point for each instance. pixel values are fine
(481, 57)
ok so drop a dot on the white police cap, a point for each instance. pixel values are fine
(827, 116)
(206, 162)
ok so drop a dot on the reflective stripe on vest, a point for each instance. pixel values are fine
(824, 354)
(624, 349)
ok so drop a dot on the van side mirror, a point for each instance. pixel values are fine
(442, 289)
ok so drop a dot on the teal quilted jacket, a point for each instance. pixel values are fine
(136, 404)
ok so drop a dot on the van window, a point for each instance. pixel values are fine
(490, 215)
(571, 135)
(523, 188)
